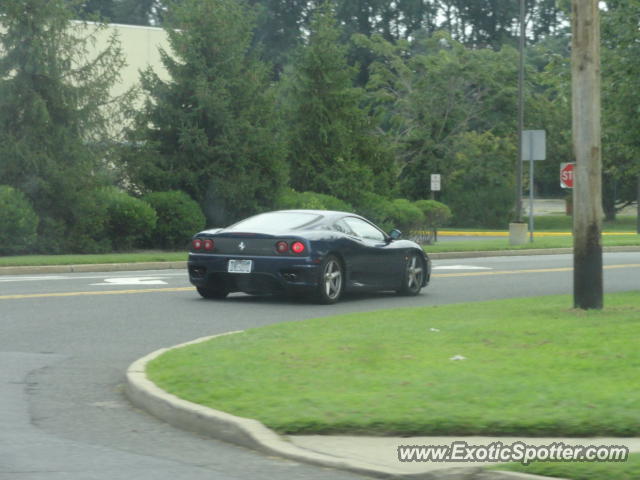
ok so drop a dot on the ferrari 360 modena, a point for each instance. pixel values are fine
(322, 254)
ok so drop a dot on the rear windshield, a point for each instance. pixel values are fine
(274, 222)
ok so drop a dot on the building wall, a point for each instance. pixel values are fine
(140, 47)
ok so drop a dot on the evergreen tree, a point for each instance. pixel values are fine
(211, 130)
(334, 148)
(56, 112)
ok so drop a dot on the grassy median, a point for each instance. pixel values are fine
(530, 367)
(135, 257)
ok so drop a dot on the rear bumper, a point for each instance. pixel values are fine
(270, 274)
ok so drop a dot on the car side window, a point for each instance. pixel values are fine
(342, 227)
(364, 229)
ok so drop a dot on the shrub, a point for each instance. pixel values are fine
(18, 221)
(405, 216)
(377, 209)
(436, 214)
(129, 219)
(88, 222)
(179, 217)
(290, 199)
(479, 189)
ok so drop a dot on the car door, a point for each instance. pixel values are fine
(378, 262)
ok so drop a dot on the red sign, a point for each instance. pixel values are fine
(566, 175)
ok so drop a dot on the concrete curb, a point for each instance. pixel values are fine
(252, 434)
(124, 267)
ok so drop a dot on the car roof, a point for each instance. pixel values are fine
(326, 213)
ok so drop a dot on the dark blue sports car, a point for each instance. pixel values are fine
(319, 252)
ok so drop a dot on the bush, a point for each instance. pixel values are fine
(377, 209)
(88, 222)
(129, 219)
(179, 218)
(405, 216)
(290, 199)
(18, 221)
(436, 214)
(480, 187)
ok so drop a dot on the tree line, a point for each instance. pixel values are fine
(272, 103)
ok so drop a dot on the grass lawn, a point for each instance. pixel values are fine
(32, 260)
(629, 470)
(531, 367)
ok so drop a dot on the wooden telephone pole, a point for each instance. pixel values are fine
(587, 192)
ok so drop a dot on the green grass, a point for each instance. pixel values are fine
(37, 260)
(629, 470)
(538, 242)
(563, 223)
(533, 367)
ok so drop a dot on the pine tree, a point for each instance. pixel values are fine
(333, 145)
(211, 130)
(55, 111)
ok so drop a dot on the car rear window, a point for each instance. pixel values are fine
(275, 221)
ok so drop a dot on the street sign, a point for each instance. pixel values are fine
(566, 175)
(534, 145)
(435, 182)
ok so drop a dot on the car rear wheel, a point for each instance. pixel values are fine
(212, 293)
(330, 285)
(414, 272)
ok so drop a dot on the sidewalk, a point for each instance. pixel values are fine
(382, 452)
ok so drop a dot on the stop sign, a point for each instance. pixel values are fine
(566, 175)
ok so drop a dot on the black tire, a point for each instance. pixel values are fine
(331, 282)
(413, 275)
(212, 293)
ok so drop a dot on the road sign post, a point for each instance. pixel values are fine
(534, 147)
(436, 186)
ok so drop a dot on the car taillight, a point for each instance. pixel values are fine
(282, 247)
(209, 244)
(197, 244)
(297, 247)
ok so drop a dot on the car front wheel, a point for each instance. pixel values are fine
(413, 278)
(331, 280)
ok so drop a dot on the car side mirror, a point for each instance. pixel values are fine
(395, 234)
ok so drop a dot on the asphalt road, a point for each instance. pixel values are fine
(66, 341)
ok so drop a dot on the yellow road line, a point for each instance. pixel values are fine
(533, 270)
(84, 294)
(187, 289)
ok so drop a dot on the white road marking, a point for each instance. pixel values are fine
(20, 278)
(460, 267)
(132, 281)
(29, 279)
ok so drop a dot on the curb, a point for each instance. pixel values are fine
(249, 433)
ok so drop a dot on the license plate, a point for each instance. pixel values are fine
(240, 266)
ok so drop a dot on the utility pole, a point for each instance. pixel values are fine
(520, 112)
(587, 191)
